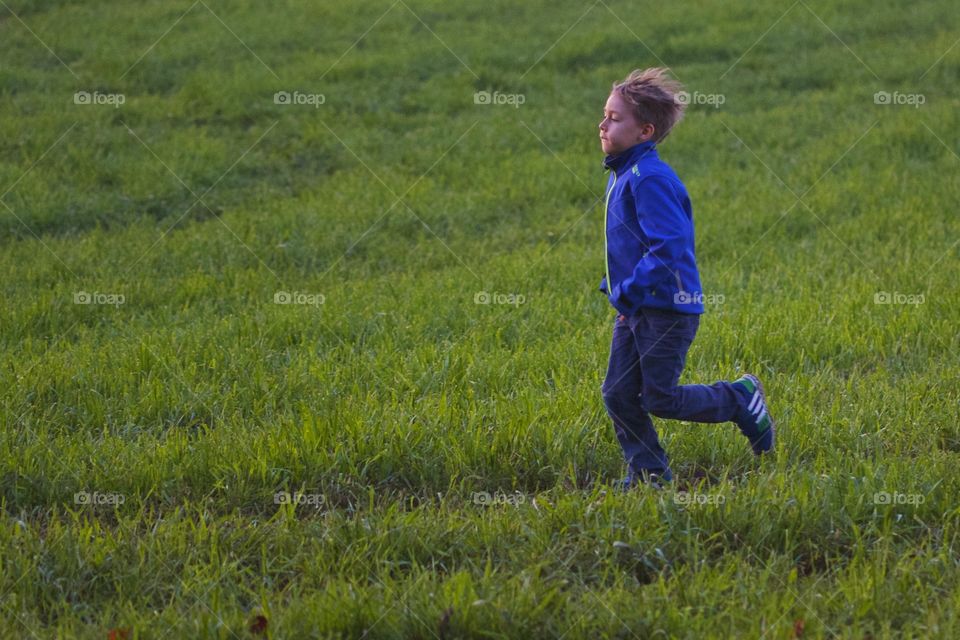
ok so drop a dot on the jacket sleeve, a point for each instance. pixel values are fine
(668, 229)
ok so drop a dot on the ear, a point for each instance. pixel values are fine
(646, 132)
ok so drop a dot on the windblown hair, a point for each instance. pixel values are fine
(657, 98)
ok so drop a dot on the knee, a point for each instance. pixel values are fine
(615, 398)
(610, 397)
(663, 404)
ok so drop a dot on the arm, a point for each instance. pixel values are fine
(668, 230)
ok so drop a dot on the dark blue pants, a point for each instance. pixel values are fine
(647, 356)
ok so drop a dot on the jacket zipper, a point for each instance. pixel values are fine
(606, 249)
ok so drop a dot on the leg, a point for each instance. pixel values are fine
(663, 339)
(621, 396)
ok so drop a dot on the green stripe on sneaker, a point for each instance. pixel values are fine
(747, 384)
(764, 423)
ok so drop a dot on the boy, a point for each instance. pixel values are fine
(652, 281)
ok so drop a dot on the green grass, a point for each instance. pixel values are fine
(399, 398)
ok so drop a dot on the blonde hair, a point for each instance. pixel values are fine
(656, 98)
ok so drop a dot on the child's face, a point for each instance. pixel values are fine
(619, 129)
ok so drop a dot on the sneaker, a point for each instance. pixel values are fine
(756, 422)
(655, 478)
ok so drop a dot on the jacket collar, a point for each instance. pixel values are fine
(630, 156)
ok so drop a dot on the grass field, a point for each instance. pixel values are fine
(301, 334)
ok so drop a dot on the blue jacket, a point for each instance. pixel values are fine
(649, 243)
